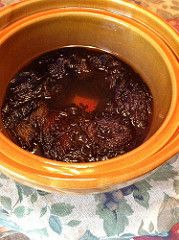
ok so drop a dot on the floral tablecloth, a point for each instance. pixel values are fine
(148, 209)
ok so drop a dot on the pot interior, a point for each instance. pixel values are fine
(46, 32)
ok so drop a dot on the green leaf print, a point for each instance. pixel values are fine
(125, 208)
(109, 219)
(19, 211)
(27, 191)
(42, 193)
(3, 213)
(61, 209)
(29, 210)
(125, 236)
(123, 211)
(143, 185)
(141, 230)
(20, 192)
(6, 202)
(114, 221)
(34, 198)
(2, 176)
(55, 224)
(88, 236)
(43, 232)
(141, 198)
(140, 194)
(168, 213)
(43, 211)
(73, 223)
(163, 173)
(24, 190)
(176, 186)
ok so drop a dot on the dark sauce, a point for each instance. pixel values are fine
(77, 105)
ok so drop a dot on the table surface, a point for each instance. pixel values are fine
(148, 209)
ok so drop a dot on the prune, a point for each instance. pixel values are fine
(77, 64)
(25, 133)
(57, 70)
(77, 105)
(102, 62)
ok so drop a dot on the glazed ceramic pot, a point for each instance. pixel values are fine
(140, 38)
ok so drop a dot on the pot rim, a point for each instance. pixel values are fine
(16, 159)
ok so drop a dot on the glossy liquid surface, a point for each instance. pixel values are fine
(77, 105)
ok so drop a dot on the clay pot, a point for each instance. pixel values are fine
(140, 38)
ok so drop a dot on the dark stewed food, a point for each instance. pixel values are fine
(77, 104)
